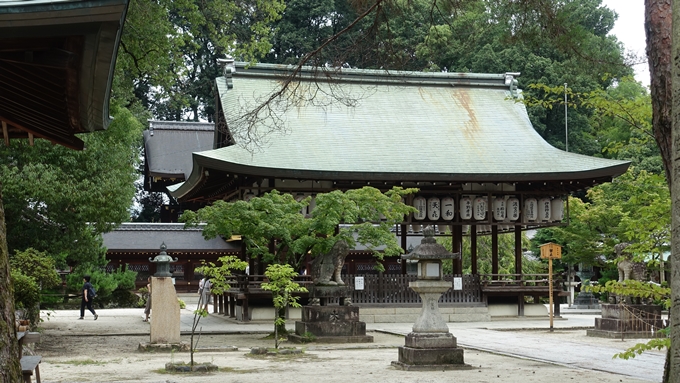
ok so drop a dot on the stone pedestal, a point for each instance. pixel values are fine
(430, 319)
(628, 321)
(586, 300)
(164, 312)
(430, 347)
(331, 324)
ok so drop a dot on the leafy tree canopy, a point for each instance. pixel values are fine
(276, 218)
(59, 200)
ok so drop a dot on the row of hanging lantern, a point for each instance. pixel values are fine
(503, 208)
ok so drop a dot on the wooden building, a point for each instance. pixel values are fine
(56, 67)
(465, 140)
(131, 245)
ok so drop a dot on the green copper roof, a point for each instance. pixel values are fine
(400, 126)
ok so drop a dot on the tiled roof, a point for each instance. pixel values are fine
(402, 126)
(168, 146)
(150, 236)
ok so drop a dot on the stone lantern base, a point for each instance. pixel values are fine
(430, 352)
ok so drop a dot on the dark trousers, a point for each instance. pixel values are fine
(89, 307)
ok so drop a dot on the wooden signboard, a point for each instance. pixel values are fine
(551, 251)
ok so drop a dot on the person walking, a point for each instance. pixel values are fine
(87, 295)
(204, 291)
(147, 308)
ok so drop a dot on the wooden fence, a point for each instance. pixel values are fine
(392, 289)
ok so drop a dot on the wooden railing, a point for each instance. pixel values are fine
(520, 280)
(392, 289)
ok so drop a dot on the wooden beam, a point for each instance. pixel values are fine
(71, 142)
(30, 139)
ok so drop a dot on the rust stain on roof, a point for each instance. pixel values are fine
(471, 128)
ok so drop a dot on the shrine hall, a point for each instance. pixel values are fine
(463, 139)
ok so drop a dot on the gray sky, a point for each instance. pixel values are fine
(630, 30)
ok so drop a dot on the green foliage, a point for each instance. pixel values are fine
(653, 344)
(167, 58)
(281, 284)
(26, 294)
(277, 216)
(105, 283)
(31, 271)
(649, 291)
(633, 208)
(219, 274)
(506, 255)
(59, 200)
(307, 337)
(182, 304)
(36, 265)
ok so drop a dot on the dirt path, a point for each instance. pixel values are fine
(116, 359)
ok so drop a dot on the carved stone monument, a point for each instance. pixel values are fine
(625, 316)
(165, 323)
(624, 321)
(165, 309)
(430, 346)
(328, 323)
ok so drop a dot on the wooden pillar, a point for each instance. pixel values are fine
(456, 247)
(518, 251)
(473, 248)
(404, 243)
(189, 272)
(494, 250)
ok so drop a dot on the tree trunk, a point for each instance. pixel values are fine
(658, 28)
(672, 371)
(9, 347)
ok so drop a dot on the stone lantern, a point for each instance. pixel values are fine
(163, 261)
(430, 346)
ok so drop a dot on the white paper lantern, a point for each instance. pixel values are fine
(557, 210)
(434, 208)
(417, 228)
(480, 207)
(466, 208)
(448, 208)
(512, 209)
(421, 205)
(530, 209)
(544, 211)
(466, 228)
(499, 208)
(248, 196)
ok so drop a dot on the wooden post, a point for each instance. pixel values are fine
(550, 251)
(494, 251)
(473, 249)
(550, 293)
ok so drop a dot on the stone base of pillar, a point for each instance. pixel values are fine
(331, 324)
(430, 352)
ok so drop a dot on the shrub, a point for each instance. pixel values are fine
(26, 295)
